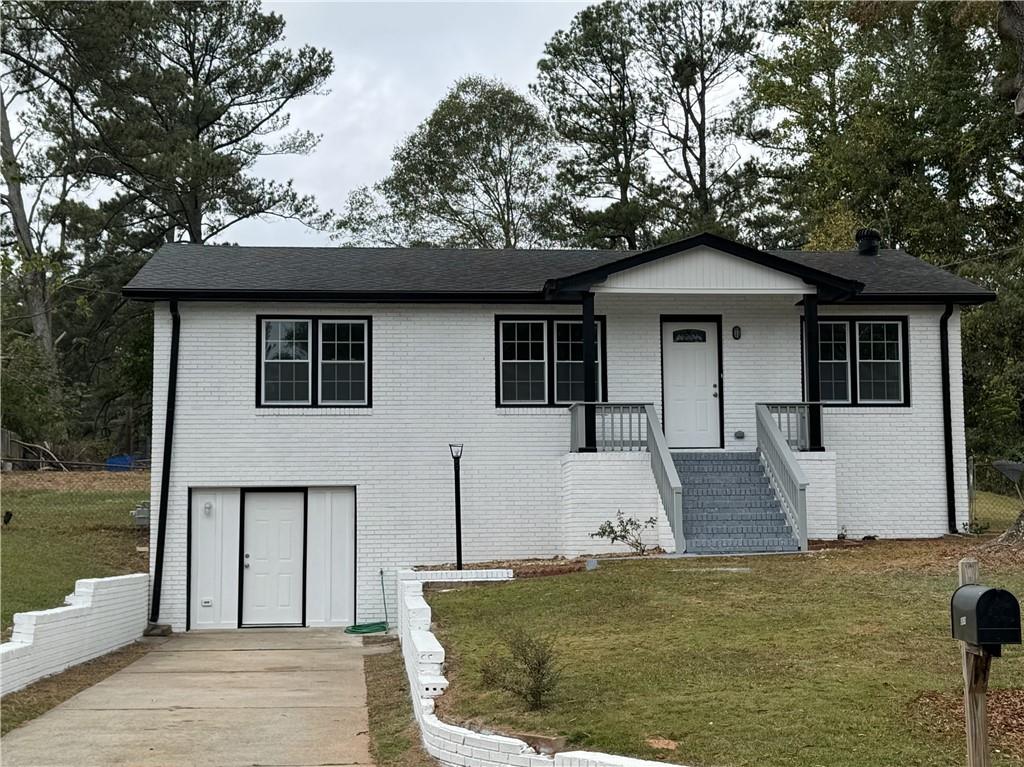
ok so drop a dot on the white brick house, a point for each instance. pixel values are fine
(305, 398)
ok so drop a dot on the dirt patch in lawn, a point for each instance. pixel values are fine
(35, 700)
(944, 712)
(82, 481)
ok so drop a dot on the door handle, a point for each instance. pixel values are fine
(714, 394)
(246, 565)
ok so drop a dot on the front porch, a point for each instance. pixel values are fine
(726, 501)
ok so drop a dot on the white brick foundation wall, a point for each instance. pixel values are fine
(822, 509)
(424, 663)
(101, 615)
(597, 485)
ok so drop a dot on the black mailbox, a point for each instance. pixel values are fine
(985, 616)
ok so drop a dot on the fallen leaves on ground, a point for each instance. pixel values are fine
(944, 712)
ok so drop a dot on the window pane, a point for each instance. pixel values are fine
(343, 383)
(286, 382)
(689, 336)
(833, 362)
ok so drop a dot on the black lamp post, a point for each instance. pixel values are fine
(456, 448)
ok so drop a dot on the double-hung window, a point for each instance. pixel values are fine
(313, 362)
(286, 362)
(879, 362)
(540, 360)
(344, 374)
(834, 357)
(524, 362)
(569, 361)
(864, 361)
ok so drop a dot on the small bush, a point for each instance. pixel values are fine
(529, 669)
(627, 530)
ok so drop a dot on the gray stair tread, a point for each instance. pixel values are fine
(729, 507)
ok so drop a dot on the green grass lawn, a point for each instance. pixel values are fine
(836, 657)
(58, 536)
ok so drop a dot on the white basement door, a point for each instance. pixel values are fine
(272, 559)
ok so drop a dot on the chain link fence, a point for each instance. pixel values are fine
(994, 502)
(65, 522)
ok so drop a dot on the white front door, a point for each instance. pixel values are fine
(691, 385)
(272, 554)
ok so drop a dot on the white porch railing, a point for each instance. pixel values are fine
(794, 421)
(631, 427)
(783, 470)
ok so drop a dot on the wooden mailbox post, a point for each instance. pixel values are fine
(983, 619)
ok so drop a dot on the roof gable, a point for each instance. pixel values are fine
(830, 285)
(700, 270)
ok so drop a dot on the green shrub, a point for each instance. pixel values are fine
(528, 669)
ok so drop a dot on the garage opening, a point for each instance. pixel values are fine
(262, 557)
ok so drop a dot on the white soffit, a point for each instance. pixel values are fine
(703, 270)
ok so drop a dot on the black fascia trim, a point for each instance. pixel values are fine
(375, 297)
(314, 375)
(851, 329)
(947, 418)
(965, 299)
(549, 334)
(165, 467)
(717, 319)
(583, 280)
(241, 550)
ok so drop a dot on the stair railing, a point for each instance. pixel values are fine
(784, 472)
(631, 427)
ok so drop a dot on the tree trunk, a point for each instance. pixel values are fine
(33, 271)
(1010, 23)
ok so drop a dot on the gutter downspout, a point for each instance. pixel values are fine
(947, 417)
(165, 474)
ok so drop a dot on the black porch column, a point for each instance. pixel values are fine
(589, 373)
(813, 370)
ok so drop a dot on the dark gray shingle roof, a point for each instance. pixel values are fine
(891, 273)
(221, 271)
(186, 268)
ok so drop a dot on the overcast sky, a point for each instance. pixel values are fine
(392, 63)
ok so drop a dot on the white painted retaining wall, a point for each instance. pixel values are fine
(595, 486)
(101, 615)
(424, 664)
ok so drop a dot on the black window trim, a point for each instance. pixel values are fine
(854, 357)
(314, 360)
(549, 321)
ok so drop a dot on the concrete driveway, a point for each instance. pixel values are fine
(247, 697)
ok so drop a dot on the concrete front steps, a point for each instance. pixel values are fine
(729, 506)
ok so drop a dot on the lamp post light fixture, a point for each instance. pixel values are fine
(456, 448)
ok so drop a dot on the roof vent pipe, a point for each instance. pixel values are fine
(868, 241)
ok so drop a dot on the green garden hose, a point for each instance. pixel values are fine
(379, 626)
